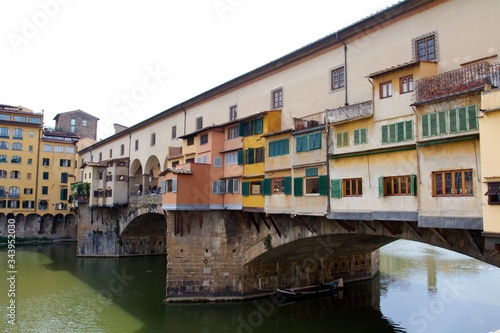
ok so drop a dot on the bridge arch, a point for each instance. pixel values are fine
(144, 234)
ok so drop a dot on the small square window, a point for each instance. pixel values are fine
(153, 139)
(174, 132)
(386, 89)
(406, 84)
(233, 113)
(199, 123)
(204, 139)
(493, 193)
(337, 78)
(277, 98)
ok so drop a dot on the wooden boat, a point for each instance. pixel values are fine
(313, 291)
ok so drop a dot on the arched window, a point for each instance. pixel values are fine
(15, 159)
(14, 192)
(3, 174)
(18, 133)
(2, 191)
(43, 204)
(15, 174)
(17, 146)
(4, 132)
(3, 159)
(4, 145)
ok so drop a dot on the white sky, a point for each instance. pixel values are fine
(127, 60)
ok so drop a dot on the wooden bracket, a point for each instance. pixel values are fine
(307, 224)
(254, 221)
(346, 225)
(413, 230)
(390, 228)
(263, 217)
(440, 236)
(368, 226)
(473, 242)
(275, 225)
(242, 218)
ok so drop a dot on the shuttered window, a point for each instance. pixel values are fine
(343, 139)
(397, 132)
(360, 136)
(297, 187)
(279, 147)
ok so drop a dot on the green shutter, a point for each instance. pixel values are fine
(433, 123)
(400, 130)
(315, 141)
(245, 189)
(442, 122)
(273, 149)
(336, 188)
(408, 130)
(241, 129)
(453, 121)
(385, 134)
(462, 119)
(311, 172)
(472, 117)
(174, 185)
(345, 139)
(364, 135)
(323, 185)
(392, 133)
(380, 187)
(357, 137)
(267, 186)
(241, 157)
(297, 186)
(258, 125)
(250, 155)
(287, 185)
(413, 184)
(425, 125)
(339, 140)
(302, 144)
(286, 146)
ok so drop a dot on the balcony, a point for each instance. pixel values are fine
(349, 113)
(456, 82)
(311, 121)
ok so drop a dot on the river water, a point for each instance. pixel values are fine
(419, 289)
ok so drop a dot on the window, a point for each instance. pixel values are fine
(352, 187)
(17, 146)
(58, 149)
(337, 78)
(360, 136)
(111, 153)
(14, 192)
(28, 176)
(33, 120)
(28, 191)
(174, 132)
(15, 174)
(136, 145)
(452, 183)
(231, 158)
(233, 112)
(4, 132)
(30, 161)
(199, 123)
(190, 141)
(204, 139)
(189, 160)
(232, 186)
(70, 150)
(30, 148)
(397, 185)
(45, 175)
(259, 155)
(342, 139)
(21, 119)
(3, 174)
(493, 193)
(64, 177)
(314, 185)
(456, 120)
(250, 156)
(45, 162)
(84, 123)
(18, 133)
(2, 191)
(424, 47)
(153, 139)
(219, 187)
(278, 185)
(232, 132)
(73, 122)
(13, 204)
(170, 185)
(255, 188)
(406, 84)
(3, 159)
(217, 162)
(47, 148)
(43, 204)
(277, 98)
(4, 145)
(16, 159)
(397, 132)
(122, 149)
(100, 156)
(32, 134)
(308, 142)
(101, 175)
(63, 194)
(386, 89)
(279, 147)
(28, 204)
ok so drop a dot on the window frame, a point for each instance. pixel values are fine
(416, 47)
(385, 89)
(233, 112)
(277, 99)
(453, 183)
(396, 187)
(342, 139)
(199, 123)
(493, 193)
(408, 86)
(348, 186)
(337, 78)
(232, 132)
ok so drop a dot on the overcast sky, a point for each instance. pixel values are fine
(124, 61)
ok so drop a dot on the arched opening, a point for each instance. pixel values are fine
(146, 234)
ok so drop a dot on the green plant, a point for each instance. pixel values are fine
(81, 190)
(267, 242)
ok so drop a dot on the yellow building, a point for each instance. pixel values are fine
(489, 123)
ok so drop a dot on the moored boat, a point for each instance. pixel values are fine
(312, 291)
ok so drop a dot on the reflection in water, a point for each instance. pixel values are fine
(418, 290)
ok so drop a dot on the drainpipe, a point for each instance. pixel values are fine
(346, 102)
(40, 134)
(328, 198)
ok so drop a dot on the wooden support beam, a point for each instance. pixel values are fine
(368, 226)
(413, 230)
(307, 224)
(346, 225)
(242, 218)
(263, 217)
(255, 223)
(440, 236)
(473, 242)
(390, 228)
(278, 231)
